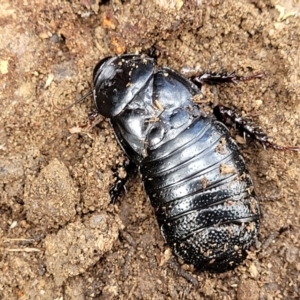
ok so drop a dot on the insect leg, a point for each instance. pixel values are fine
(214, 78)
(156, 51)
(119, 185)
(246, 127)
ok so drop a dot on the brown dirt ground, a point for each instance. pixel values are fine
(59, 237)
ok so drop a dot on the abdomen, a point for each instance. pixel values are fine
(203, 196)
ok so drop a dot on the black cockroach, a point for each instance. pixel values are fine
(191, 168)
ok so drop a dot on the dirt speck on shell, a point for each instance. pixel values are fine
(59, 236)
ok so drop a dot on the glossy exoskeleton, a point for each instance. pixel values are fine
(191, 168)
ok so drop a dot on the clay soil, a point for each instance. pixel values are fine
(60, 238)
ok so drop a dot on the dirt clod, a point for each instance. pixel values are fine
(50, 199)
(80, 245)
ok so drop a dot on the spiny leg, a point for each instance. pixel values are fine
(119, 185)
(231, 117)
(214, 78)
(128, 166)
(156, 51)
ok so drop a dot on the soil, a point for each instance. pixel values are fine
(60, 238)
